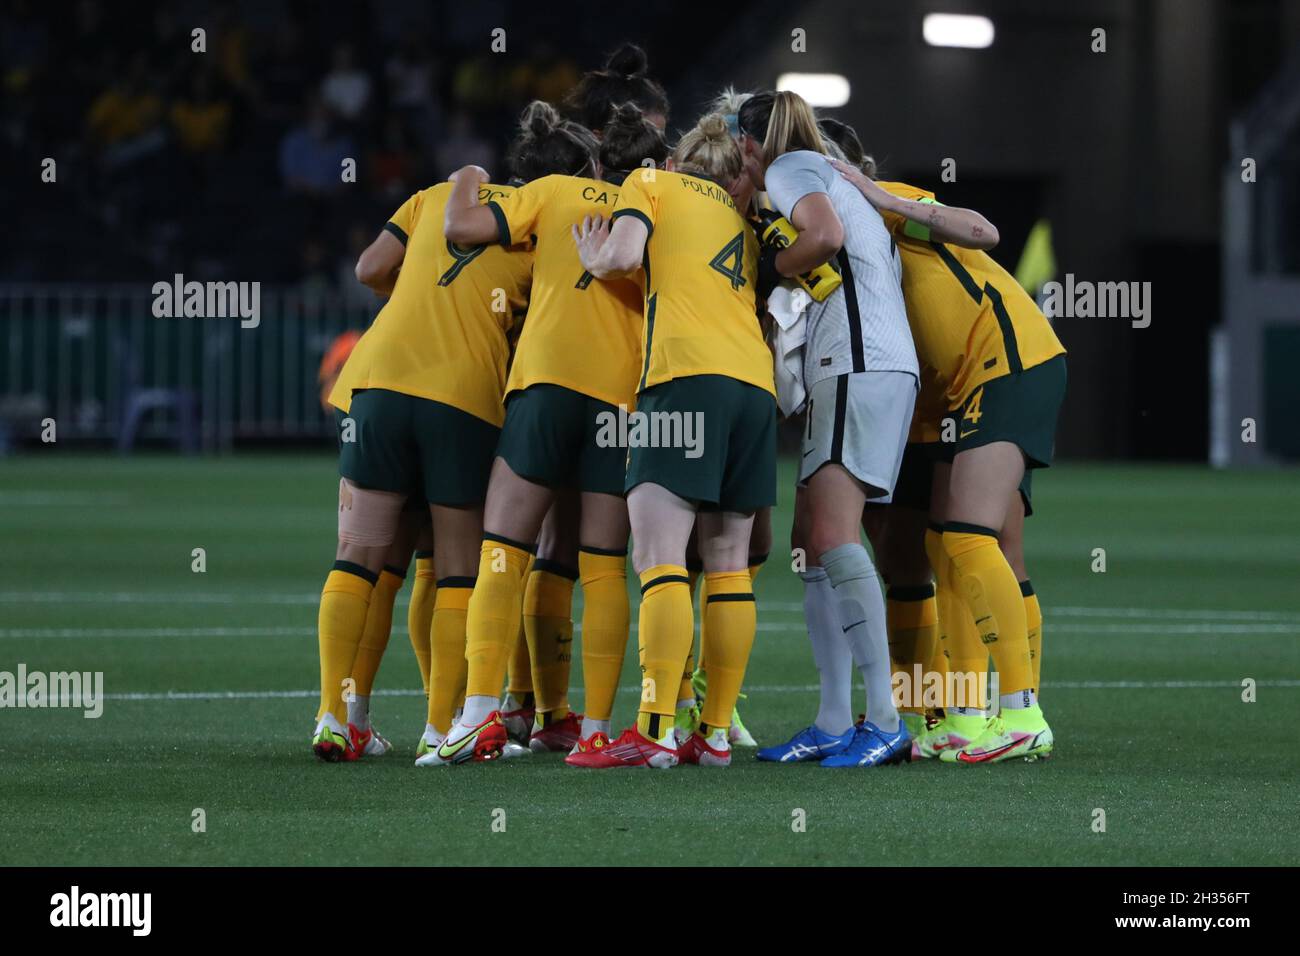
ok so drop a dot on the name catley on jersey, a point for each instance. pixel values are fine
(862, 326)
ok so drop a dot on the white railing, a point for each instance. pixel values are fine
(96, 360)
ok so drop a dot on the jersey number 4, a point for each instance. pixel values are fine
(730, 260)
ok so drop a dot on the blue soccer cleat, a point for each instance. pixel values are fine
(872, 747)
(810, 743)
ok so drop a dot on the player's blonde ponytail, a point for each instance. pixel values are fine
(782, 122)
(708, 150)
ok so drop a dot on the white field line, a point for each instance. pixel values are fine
(311, 599)
(757, 689)
(792, 628)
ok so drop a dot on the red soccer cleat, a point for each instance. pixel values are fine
(630, 750)
(697, 750)
(597, 741)
(560, 735)
(484, 742)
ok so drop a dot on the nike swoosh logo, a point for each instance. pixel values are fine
(967, 758)
(981, 620)
(852, 626)
(444, 753)
(809, 452)
(967, 434)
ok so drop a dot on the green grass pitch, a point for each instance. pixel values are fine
(1143, 676)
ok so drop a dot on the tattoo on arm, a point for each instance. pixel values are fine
(977, 231)
(935, 218)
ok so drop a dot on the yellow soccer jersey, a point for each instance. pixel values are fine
(700, 272)
(581, 334)
(931, 407)
(971, 321)
(442, 333)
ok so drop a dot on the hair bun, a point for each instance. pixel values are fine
(539, 118)
(627, 114)
(628, 61)
(714, 127)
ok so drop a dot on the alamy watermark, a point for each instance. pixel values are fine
(921, 688)
(77, 909)
(208, 300)
(639, 429)
(64, 689)
(1102, 300)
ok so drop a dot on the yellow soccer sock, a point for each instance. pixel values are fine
(666, 623)
(729, 639)
(379, 625)
(447, 645)
(419, 615)
(912, 621)
(686, 689)
(548, 622)
(703, 605)
(344, 602)
(1034, 623)
(966, 659)
(494, 612)
(519, 672)
(606, 619)
(990, 590)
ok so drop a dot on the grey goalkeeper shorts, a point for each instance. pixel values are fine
(860, 420)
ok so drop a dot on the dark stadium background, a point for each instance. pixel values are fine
(1126, 154)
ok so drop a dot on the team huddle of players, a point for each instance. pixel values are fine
(753, 268)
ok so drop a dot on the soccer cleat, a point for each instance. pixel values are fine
(811, 743)
(518, 719)
(631, 749)
(872, 747)
(737, 735)
(1013, 733)
(597, 741)
(559, 736)
(368, 742)
(482, 742)
(511, 750)
(711, 751)
(951, 732)
(916, 724)
(686, 721)
(331, 743)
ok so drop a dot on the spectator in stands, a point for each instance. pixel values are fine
(312, 154)
(462, 146)
(392, 163)
(201, 118)
(125, 121)
(346, 87)
(411, 74)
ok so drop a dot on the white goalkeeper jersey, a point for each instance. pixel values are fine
(862, 326)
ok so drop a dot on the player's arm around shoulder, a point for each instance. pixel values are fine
(918, 215)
